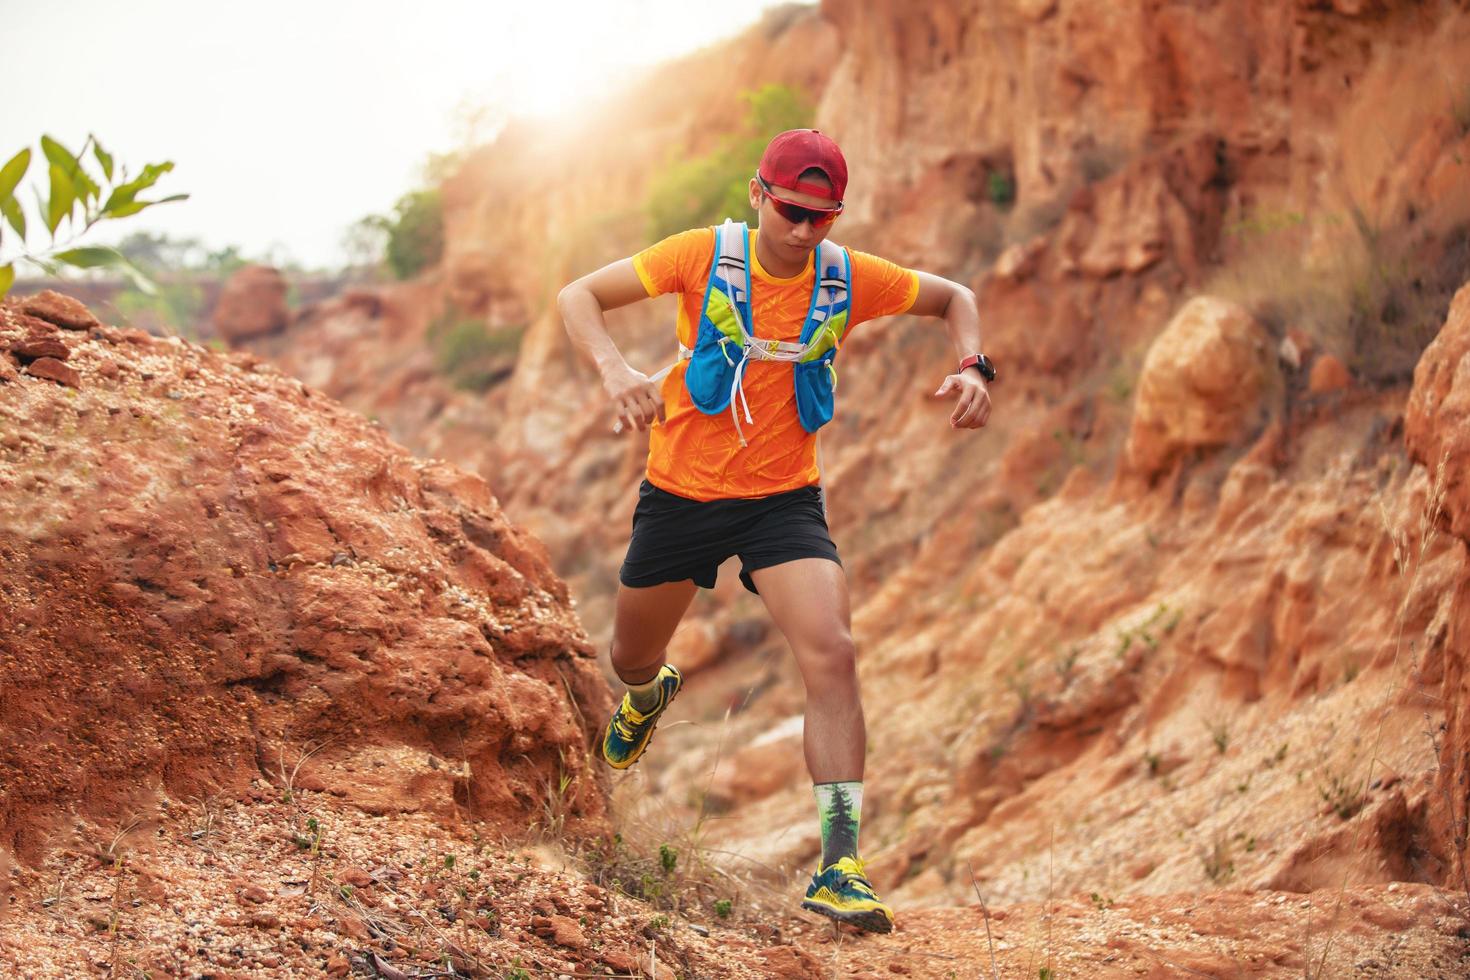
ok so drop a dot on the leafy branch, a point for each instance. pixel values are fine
(76, 198)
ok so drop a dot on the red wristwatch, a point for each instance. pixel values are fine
(980, 363)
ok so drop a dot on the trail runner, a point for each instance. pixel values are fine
(732, 459)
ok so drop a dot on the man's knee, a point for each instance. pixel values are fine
(833, 653)
(631, 663)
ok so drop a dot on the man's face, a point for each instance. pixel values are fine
(790, 239)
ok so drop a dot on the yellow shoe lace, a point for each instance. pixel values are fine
(625, 717)
(853, 871)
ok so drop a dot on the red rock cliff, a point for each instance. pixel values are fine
(212, 573)
(1174, 622)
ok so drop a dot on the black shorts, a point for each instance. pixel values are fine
(675, 538)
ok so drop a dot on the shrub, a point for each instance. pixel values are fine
(1000, 187)
(472, 355)
(706, 189)
(1376, 299)
(415, 233)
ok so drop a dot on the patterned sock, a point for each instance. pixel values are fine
(644, 696)
(839, 809)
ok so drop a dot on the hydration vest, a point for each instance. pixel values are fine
(726, 340)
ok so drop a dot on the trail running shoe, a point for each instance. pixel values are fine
(841, 891)
(629, 731)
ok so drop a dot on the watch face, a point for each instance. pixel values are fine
(986, 367)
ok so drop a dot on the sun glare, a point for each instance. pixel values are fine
(554, 58)
(289, 125)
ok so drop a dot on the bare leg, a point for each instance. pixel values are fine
(643, 624)
(807, 598)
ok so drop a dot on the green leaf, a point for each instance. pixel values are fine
(58, 154)
(11, 208)
(103, 157)
(123, 194)
(63, 198)
(94, 256)
(13, 171)
(139, 278)
(50, 268)
(133, 207)
(90, 256)
(7, 276)
(83, 187)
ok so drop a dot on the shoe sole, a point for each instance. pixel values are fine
(868, 920)
(634, 761)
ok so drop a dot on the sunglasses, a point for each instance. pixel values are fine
(797, 213)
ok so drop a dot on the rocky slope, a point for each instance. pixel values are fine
(1191, 614)
(281, 701)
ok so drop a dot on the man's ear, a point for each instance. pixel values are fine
(755, 194)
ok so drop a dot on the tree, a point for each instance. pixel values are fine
(415, 233)
(706, 189)
(76, 199)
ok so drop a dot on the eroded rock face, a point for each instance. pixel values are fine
(1437, 431)
(252, 304)
(1061, 642)
(1201, 384)
(1437, 419)
(212, 573)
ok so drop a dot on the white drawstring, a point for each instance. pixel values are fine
(784, 351)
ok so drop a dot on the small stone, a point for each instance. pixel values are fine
(621, 962)
(38, 345)
(107, 369)
(1290, 354)
(355, 927)
(337, 965)
(1328, 374)
(559, 929)
(61, 310)
(265, 920)
(254, 895)
(53, 370)
(698, 929)
(357, 878)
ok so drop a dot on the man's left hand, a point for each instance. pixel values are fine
(973, 409)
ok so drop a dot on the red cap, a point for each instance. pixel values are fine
(798, 150)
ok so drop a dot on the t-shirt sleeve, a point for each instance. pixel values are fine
(678, 264)
(880, 288)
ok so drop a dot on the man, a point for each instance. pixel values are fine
(745, 481)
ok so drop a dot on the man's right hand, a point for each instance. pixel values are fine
(637, 399)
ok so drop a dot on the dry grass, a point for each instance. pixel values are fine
(662, 857)
(1375, 296)
(1344, 793)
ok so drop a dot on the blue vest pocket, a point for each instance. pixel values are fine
(814, 398)
(708, 375)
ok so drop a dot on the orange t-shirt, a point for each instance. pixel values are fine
(699, 456)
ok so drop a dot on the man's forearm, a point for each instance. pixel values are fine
(962, 320)
(586, 326)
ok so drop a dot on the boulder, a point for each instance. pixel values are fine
(1201, 385)
(252, 304)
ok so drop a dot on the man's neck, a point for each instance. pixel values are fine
(778, 267)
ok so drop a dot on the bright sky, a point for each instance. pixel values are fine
(287, 121)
